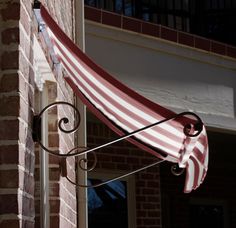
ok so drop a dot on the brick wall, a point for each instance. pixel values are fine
(17, 88)
(62, 195)
(16, 105)
(218, 188)
(124, 157)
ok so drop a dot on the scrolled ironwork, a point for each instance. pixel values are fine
(176, 170)
(61, 125)
(192, 127)
(115, 178)
(86, 161)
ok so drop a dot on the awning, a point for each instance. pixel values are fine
(124, 110)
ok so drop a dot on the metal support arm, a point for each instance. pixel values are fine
(192, 129)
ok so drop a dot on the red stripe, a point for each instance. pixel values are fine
(156, 111)
(120, 107)
(81, 56)
(196, 172)
(127, 123)
(157, 152)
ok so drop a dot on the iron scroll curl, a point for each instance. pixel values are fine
(192, 127)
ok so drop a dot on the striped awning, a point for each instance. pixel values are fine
(125, 111)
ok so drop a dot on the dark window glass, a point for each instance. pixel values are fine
(90, 2)
(206, 216)
(129, 8)
(214, 19)
(107, 205)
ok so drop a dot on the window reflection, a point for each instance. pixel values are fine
(212, 19)
(107, 205)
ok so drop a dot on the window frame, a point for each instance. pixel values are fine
(131, 197)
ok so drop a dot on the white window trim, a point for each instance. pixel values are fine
(131, 193)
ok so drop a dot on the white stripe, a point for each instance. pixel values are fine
(114, 96)
(200, 146)
(191, 171)
(120, 113)
(176, 144)
(157, 135)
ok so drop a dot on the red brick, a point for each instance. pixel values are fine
(9, 60)
(9, 154)
(218, 48)
(10, 223)
(118, 159)
(92, 14)
(107, 165)
(9, 106)
(10, 35)
(52, 124)
(111, 19)
(54, 221)
(150, 29)
(54, 174)
(133, 160)
(147, 176)
(153, 184)
(153, 198)
(151, 221)
(140, 183)
(186, 39)
(37, 222)
(37, 174)
(147, 161)
(54, 189)
(53, 140)
(8, 204)
(202, 43)
(155, 214)
(54, 206)
(231, 51)
(148, 191)
(9, 130)
(123, 166)
(149, 206)
(141, 198)
(54, 159)
(37, 206)
(11, 12)
(131, 24)
(168, 34)
(9, 178)
(9, 83)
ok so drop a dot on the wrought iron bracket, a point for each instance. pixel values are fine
(192, 129)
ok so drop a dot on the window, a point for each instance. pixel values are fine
(212, 19)
(205, 213)
(111, 205)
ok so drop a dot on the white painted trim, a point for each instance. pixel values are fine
(44, 172)
(81, 140)
(157, 44)
(131, 193)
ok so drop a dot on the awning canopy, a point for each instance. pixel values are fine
(125, 111)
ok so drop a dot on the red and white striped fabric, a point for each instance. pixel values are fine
(125, 111)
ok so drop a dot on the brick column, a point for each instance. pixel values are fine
(16, 108)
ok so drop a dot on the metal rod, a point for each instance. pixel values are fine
(186, 129)
(115, 178)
